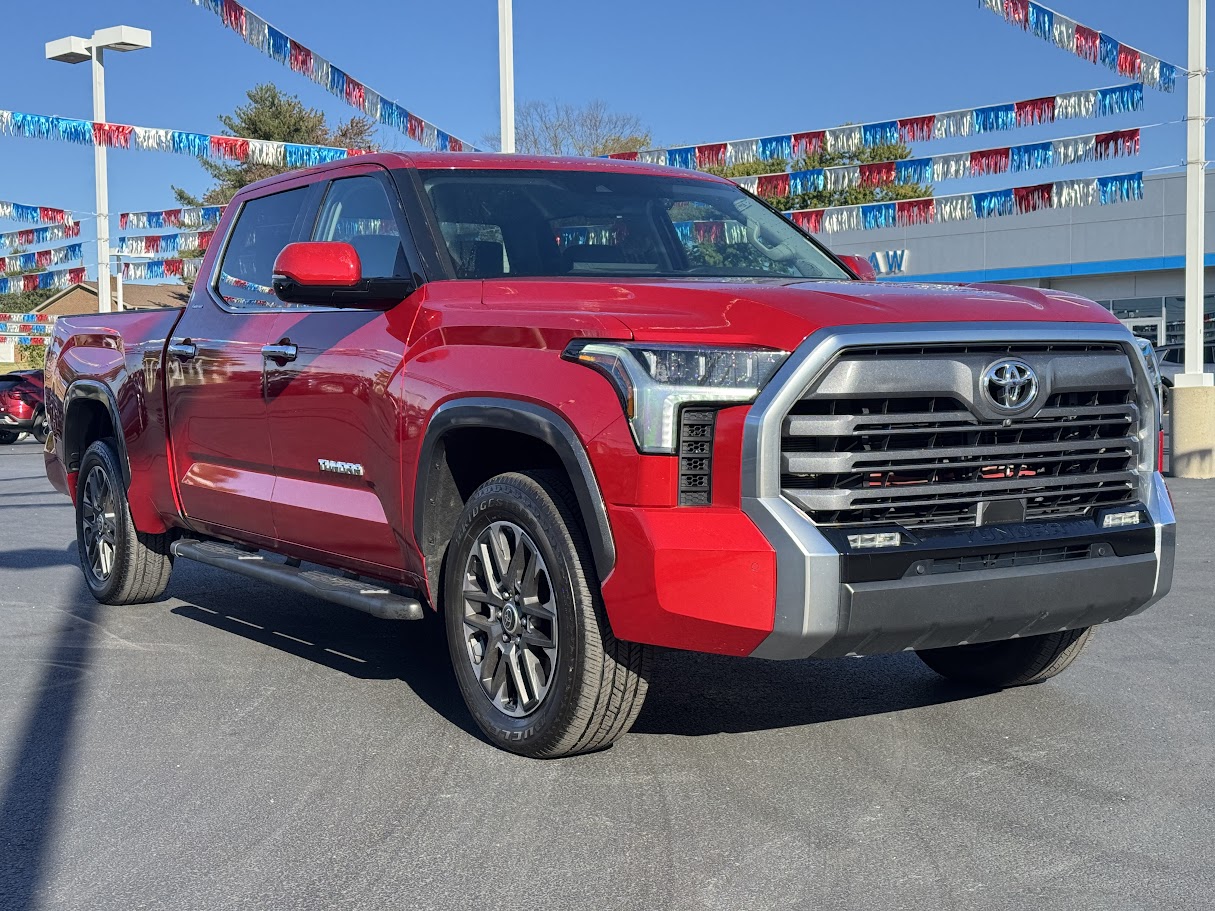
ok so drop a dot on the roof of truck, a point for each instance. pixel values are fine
(495, 161)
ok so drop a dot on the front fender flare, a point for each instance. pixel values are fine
(535, 421)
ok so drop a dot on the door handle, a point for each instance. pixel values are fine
(282, 352)
(183, 350)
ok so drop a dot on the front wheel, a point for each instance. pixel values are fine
(8, 437)
(534, 656)
(1012, 662)
(121, 565)
(40, 431)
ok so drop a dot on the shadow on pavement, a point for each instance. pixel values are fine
(39, 557)
(414, 652)
(694, 694)
(33, 793)
(690, 694)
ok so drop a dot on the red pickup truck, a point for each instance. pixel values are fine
(584, 408)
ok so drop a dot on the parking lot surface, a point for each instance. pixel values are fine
(238, 746)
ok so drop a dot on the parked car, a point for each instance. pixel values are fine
(21, 406)
(577, 445)
(1172, 361)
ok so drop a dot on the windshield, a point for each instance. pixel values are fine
(500, 223)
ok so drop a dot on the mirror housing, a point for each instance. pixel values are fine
(859, 266)
(330, 274)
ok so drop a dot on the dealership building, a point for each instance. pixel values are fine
(1129, 256)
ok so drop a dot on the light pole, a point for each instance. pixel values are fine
(73, 49)
(506, 73)
(1193, 415)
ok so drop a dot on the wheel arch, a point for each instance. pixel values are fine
(90, 413)
(470, 440)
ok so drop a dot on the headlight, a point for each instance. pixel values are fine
(652, 381)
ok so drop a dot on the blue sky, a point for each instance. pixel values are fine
(693, 72)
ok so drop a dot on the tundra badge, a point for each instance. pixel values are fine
(353, 468)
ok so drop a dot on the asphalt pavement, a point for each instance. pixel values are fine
(238, 746)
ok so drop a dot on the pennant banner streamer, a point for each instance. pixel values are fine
(1032, 157)
(26, 328)
(33, 237)
(34, 215)
(199, 217)
(1087, 43)
(791, 146)
(197, 145)
(42, 259)
(290, 53)
(1102, 191)
(42, 281)
(161, 268)
(144, 244)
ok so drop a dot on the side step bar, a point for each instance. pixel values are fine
(368, 597)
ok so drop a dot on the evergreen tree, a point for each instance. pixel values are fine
(277, 117)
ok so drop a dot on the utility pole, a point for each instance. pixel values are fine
(506, 73)
(1193, 414)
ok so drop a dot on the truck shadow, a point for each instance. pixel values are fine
(690, 694)
(32, 796)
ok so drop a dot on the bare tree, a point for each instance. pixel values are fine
(555, 128)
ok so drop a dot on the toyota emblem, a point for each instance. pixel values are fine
(1010, 386)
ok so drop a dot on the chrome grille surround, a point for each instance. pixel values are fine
(902, 435)
(809, 607)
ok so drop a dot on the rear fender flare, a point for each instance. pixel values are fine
(94, 391)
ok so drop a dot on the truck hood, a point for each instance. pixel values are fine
(782, 313)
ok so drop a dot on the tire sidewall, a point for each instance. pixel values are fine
(504, 501)
(100, 454)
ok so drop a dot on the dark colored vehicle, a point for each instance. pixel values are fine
(583, 408)
(21, 406)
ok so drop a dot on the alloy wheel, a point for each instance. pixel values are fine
(510, 619)
(98, 523)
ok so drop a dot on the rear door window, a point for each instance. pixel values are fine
(264, 226)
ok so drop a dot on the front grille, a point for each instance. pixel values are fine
(1036, 557)
(696, 457)
(929, 460)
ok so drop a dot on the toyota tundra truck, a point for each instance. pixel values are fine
(587, 408)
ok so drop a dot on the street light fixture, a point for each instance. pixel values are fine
(73, 49)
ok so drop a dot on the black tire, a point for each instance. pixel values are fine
(40, 431)
(138, 567)
(595, 684)
(1012, 662)
(8, 437)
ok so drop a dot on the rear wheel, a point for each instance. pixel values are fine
(121, 565)
(7, 437)
(1013, 662)
(536, 661)
(40, 431)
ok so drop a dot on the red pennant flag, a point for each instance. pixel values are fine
(810, 220)
(233, 16)
(712, 155)
(770, 185)
(300, 57)
(1088, 43)
(76, 276)
(116, 135)
(1017, 12)
(172, 217)
(805, 144)
(49, 216)
(1031, 199)
(989, 161)
(624, 156)
(917, 129)
(1036, 110)
(414, 127)
(354, 92)
(877, 174)
(230, 147)
(1130, 64)
(42, 259)
(915, 211)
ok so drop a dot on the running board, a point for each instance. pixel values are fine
(368, 597)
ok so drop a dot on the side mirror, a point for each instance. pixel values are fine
(330, 274)
(859, 266)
